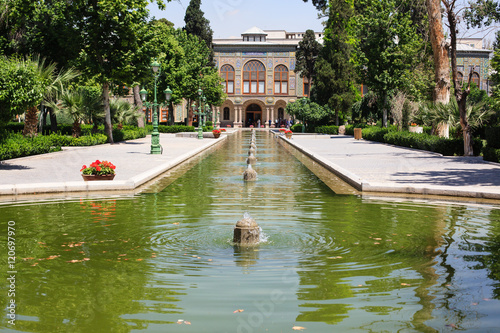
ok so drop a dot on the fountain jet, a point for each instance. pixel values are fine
(250, 174)
(246, 231)
(251, 159)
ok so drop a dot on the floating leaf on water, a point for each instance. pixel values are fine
(376, 243)
(409, 235)
(176, 223)
(187, 322)
(180, 321)
(377, 238)
(35, 264)
(122, 255)
(139, 259)
(239, 310)
(298, 328)
(73, 261)
(86, 259)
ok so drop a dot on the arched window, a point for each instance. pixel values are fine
(281, 80)
(254, 78)
(227, 73)
(475, 79)
(460, 78)
(226, 114)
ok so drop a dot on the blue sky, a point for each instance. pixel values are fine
(232, 17)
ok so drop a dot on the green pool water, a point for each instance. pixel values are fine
(163, 261)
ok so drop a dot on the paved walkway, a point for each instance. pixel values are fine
(376, 167)
(366, 165)
(60, 172)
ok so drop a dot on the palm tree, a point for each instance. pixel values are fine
(436, 114)
(54, 83)
(123, 112)
(77, 105)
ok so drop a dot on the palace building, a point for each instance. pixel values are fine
(258, 70)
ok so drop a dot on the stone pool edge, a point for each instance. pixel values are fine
(366, 187)
(101, 186)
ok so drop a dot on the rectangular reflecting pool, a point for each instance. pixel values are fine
(163, 260)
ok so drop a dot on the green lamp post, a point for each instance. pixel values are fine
(199, 113)
(155, 106)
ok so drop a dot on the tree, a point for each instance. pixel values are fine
(386, 50)
(309, 49)
(335, 76)
(198, 25)
(111, 45)
(20, 88)
(311, 113)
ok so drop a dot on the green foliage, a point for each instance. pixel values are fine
(493, 137)
(333, 130)
(173, 129)
(89, 140)
(388, 49)
(334, 83)
(16, 145)
(491, 154)
(197, 24)
(123, 112)
(311, 113)
(309, 49)
(21, 87)
(374, 133)
(447, 147)
(296, 128)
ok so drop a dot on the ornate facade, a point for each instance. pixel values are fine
(259, 77)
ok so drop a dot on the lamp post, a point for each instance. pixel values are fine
(155, 106)
(199, 111)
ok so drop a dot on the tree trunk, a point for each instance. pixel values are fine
(460, 95)
(53, 121)
(189, 114)
(31, 122)
(108, 127)
(440, 52)
(138, 103)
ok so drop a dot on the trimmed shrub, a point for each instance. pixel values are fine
(374, 133)
(331, 130)
(16, 145)
(89, 140)
(492, 135)
(14, 127)
(297, 128)
(491, 154)
(422, 141)
(172, 129)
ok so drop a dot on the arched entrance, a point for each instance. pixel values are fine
(253, 115)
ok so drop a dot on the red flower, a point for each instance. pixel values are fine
(83, 167)
(98, 168)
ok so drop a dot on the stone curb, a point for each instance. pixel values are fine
(114, 185)
(364, 186)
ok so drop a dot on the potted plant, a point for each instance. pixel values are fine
(414, 128)
(98, 170)
(288, 134)
(282, 130)
(222, 130)
(216, 133)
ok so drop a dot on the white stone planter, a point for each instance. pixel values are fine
(416, 129)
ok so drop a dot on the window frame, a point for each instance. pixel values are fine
(254, 78)
(280, 82)
(226, 80)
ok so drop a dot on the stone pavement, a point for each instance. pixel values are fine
(60, 171)
(376, 167)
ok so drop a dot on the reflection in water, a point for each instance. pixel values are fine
(331, 262)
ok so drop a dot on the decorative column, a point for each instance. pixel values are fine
(217, 124)
(267, 118)
(272, 117)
